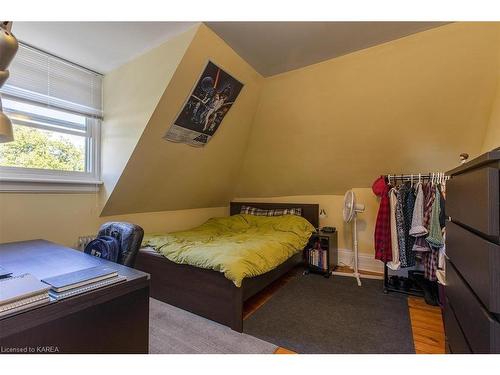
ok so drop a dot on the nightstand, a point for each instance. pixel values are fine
(321, 253)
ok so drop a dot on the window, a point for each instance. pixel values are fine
(55, 109)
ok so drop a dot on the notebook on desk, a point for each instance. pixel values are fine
(21, 293)
(86, 288)
(19, 287)
(73, 280)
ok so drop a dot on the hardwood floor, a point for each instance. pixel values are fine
(426, 321)
(281, 350)
(427, 327)
(252, 304)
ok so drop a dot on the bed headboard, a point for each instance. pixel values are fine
(310, 212)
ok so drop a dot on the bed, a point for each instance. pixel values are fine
(209, 293)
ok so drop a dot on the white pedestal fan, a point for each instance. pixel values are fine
(350, 212)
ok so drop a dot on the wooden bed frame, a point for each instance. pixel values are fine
(206, 292)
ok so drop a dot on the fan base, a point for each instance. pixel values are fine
(357, 276)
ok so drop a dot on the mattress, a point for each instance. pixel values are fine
(239, 246)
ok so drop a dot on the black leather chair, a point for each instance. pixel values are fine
(129, 237)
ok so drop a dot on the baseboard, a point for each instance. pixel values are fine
(366, 262)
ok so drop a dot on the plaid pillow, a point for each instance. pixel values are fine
(275, 212)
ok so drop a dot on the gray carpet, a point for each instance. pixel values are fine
(312, 314)
(175, 331)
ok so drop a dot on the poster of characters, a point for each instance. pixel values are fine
(207, 105)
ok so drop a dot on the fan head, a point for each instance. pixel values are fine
(351, 208)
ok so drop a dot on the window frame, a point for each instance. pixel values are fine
(21, 179)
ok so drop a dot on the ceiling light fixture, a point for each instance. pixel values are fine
(8, 49)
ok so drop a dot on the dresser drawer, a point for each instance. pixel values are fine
(478, 261)
(481, 330)
(454, 335)
(472, 199)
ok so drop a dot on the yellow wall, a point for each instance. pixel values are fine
(130, 95)
(305, 136)
(163, 175)
(410, 105)
(492, 136)
(62, 218)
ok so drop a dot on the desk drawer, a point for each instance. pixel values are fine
(472, 199)
(478, 261)
(481, 330)
(454, 335)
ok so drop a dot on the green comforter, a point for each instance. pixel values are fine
(239, 246)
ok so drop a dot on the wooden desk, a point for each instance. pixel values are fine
(114, 319)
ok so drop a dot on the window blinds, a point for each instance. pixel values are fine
(41, 78)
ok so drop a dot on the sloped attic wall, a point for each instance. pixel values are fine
(321, 129)
(492, 136)
(162, 175)
(131, 94)
(410, 105)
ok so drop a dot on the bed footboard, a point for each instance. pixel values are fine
(203, 292)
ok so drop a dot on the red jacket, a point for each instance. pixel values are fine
(383, 248)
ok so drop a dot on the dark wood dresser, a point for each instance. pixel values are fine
(472, 309)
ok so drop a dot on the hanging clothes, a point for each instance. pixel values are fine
(383, 247)
(442, 214)
(415, 217)
(430, 260)
(394, 264)
(429, 194)
(434, 239)
(417, 224)
(404, 213)
(442, 223)
(409, 206)
(421, 244)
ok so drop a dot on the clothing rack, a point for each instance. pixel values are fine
(438, 177)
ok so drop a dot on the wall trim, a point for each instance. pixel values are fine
(10, 186)
(366, 262)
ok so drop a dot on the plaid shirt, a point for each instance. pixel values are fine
(383, 245)
(430, 259)
(275, 212)
(430, 195)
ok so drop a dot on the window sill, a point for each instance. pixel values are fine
(47, 185)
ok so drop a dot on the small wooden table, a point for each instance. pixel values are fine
(113, 319)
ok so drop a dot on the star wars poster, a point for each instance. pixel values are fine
(206, 107)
